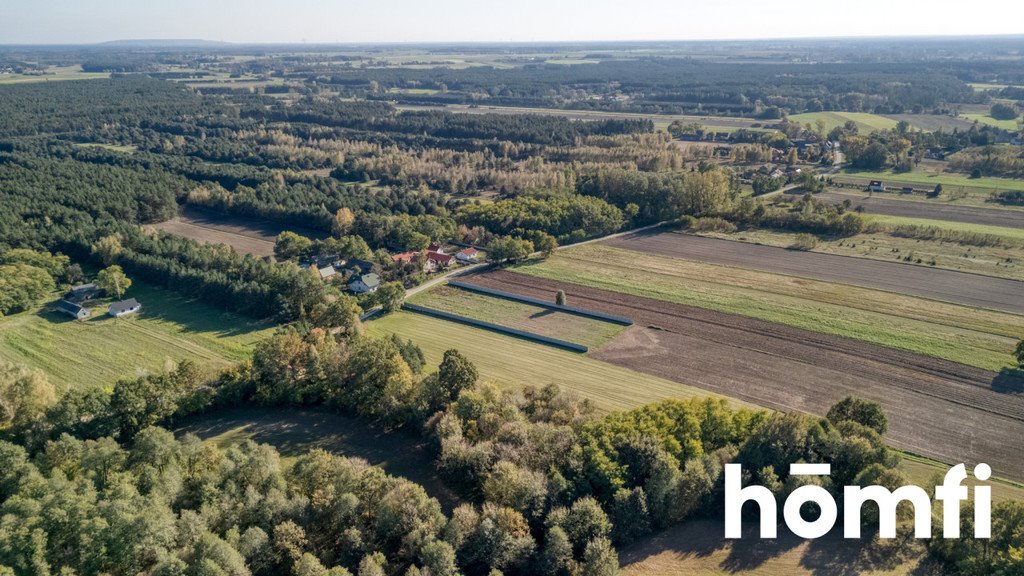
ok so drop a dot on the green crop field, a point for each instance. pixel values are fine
(511, 362)
(865, 122)
(930, 179)
(100, 350)
(576, 329)
(986, 119)
(1014, 235)
(53, 75)
(967, 335)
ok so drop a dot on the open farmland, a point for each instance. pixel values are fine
(951, 182)
(944, 285)
(929, 209)
(100, 350)
(865, 122)
(245, 235)
(958, 333)
(511, 362)
(1003, 261)
(940, 409)
(987, 119)
(546, 322)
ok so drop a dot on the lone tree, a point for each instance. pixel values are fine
(560, 298)
(1019, 353)
(456, 374)
(113, 280)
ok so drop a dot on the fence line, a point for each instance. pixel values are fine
(496, 328)
(543, 303)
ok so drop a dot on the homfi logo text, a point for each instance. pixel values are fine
(950, 493)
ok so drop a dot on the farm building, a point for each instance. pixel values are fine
(364, 283)
(72, 309)
(83, 292)
(124, 308)
(327, 272)
(468, 255)
(876, 186)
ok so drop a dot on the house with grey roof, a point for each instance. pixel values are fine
(364, 283)
(124, 307)
(76, 311)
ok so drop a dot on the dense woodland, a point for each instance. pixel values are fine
(92, 484)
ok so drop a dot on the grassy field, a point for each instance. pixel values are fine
(111, 147)
(930, 179)
(569, 327)
(98, 351)
(865, 122)
(1013, 235)
(986, 119)
(999, 261)
(967, 335)
(511, 362)
(52, 75)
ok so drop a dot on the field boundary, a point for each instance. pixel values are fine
(572, 346)
(543, 304)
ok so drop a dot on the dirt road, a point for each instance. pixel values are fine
(939, 409)
(933, 283)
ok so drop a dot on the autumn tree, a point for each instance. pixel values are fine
(113, 280)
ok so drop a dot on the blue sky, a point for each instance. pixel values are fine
(73, 21)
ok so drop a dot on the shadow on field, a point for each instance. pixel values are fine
(295, 431)
(698, 546)
(1009, 381)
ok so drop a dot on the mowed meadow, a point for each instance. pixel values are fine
(100, 350)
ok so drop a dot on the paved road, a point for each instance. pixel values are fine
(934, 210)
(934, 283)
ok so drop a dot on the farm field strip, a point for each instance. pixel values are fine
(865, 121)
(928, 209)
(513, 363)
(518, 315)
(1015, 235)
(961, 334)
(939, 409)
(986, 185)
(999, 261)
(245, 235)
(998, 294)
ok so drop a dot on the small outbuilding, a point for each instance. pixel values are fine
(124, 308)
(876, 186)
(83, 292)
(76, 311)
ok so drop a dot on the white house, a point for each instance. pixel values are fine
(468, 255)
(124, 307)
(364, 283)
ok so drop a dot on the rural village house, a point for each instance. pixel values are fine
(72, 309)
(364, 283)
(468, 255)
(124, 308)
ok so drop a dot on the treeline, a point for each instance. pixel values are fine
(551, 487)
